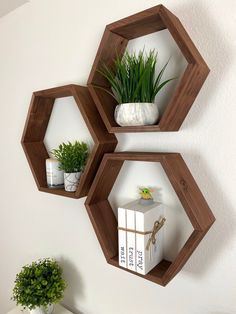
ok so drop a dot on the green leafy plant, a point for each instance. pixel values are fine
(39, 284)
(72, 157)
(133, 78)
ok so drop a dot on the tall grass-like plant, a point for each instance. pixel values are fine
(133, 78)
(72, 156)
(39, 284)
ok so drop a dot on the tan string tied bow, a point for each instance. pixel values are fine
(156, 227)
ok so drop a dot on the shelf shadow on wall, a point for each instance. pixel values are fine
(215, 51)
(222, 231)
(75, 285)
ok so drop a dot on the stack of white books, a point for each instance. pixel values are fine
(134, 222)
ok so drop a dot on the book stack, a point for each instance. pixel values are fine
(137, 251)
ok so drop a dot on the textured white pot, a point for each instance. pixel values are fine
(43, 310)
(71, 181)
(134, 114)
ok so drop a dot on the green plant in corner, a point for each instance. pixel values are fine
(39, 284)
(72, 157)
(133, 79)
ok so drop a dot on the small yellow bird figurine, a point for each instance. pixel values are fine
(146, 193)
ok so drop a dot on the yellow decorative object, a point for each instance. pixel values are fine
(146, 193)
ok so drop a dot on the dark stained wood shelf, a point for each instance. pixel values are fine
(155, 275)
(59, 191)
(189, 194)
(36, 125)
(103, 166)
(114, 42)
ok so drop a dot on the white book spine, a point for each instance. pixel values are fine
(140, 249)
(131, 240)
(122, 237)
(148, 259)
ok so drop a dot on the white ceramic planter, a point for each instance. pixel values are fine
(134, 114)
(71, 181)
(43, 310)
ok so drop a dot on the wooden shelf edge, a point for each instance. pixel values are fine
(114, 42)
(135, 129)
(155, 275)
(36, 126)
(188, 192)
(60, 192)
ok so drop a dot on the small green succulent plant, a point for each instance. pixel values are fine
(72, 156)
(39, 284)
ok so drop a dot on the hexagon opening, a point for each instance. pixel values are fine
(114, 42)
(178, 228)
(36, 126)
(105, 223)
(72, 126)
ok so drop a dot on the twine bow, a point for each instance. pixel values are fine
(156, 227)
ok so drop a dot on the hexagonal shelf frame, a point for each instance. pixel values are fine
(36, 125)
(105, 223)
(114, 42)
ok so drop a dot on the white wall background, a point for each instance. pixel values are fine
(49, 43)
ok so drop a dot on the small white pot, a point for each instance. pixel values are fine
(71, 181)
(43, 310)
(134, 114)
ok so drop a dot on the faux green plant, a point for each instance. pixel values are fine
(133, 78)
(72, 156)
(39, 284)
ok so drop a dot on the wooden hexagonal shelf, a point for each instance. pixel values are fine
(114, 42)
(36, 125)
(105, 223)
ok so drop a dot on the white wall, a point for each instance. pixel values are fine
(50, 43)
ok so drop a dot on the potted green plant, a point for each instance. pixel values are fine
(134, 85)
(39, 286)
(72, 158)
